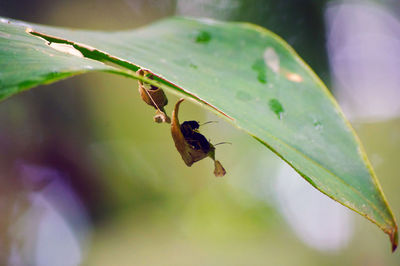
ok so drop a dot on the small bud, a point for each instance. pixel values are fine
(161, 117)
(219, 170)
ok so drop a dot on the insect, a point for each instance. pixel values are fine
(191, 144)
(193, 137)
(154, 96)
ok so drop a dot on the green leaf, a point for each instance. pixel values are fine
(241, 71)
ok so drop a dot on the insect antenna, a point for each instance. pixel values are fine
(225, 142)
(208, 122)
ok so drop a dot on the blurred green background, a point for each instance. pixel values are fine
(87, 177)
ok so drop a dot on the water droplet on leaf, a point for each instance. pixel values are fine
(276, 107)
(203, 37)
(318, 125)
(260, 67)
(244, 96)
(294, 77)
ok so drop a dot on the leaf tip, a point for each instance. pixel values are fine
(394, 239)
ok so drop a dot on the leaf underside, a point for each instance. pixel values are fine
(244, 72)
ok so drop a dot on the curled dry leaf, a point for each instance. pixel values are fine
(154, 96)
(192, 145)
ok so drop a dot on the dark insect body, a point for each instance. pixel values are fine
(194, 138)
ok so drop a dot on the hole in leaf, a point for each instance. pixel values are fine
(271, 59)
